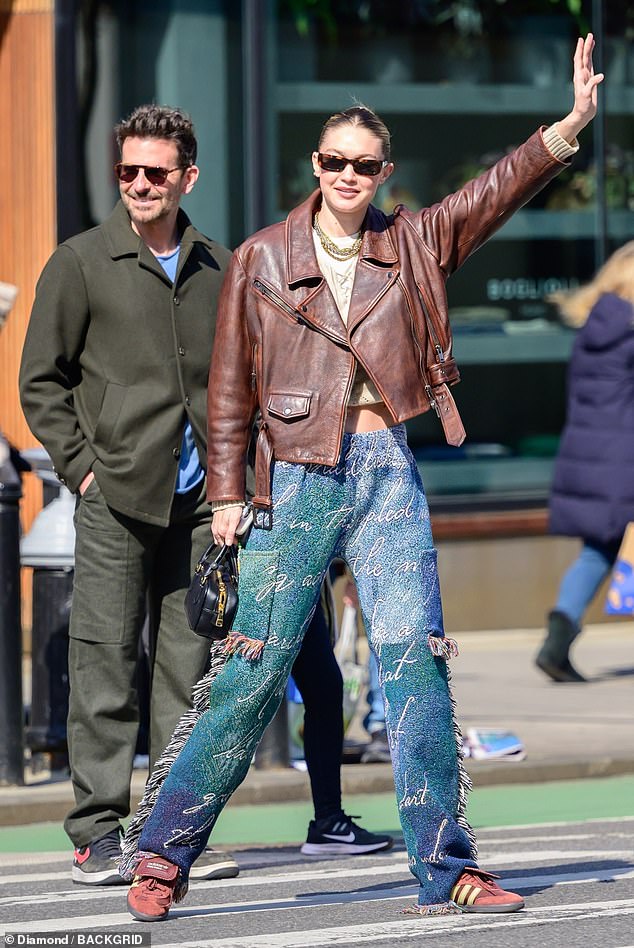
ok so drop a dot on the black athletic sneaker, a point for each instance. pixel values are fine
(98, 862)
(338, 834)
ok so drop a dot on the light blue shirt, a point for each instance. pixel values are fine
(190, 471)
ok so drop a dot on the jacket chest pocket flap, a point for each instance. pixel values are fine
(289, 406)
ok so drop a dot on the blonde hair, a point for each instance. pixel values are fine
(615, 276)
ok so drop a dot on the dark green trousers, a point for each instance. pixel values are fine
(125, 570)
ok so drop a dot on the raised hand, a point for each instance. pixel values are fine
(585, 84)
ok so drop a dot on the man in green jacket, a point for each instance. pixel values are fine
(113, 383)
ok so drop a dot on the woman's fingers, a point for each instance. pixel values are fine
(224, 523)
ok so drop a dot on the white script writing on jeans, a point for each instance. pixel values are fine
(436, 855)
(280, 582)
(407, 566)
(398, 731)
(388, 514)
(335, 518)
(397, 674)
(365, 567)
(414, 798)
(379, 632)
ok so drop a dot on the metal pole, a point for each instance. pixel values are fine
(599, 134)
(11, 712)
(49, 547)
(257, 64)
(67, 144)
(273, 748)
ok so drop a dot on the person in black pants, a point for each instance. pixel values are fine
(318, 677)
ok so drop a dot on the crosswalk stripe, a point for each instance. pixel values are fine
(295, 902)
(89, 893)
(423, 928)
(594, 821)
(396, 864)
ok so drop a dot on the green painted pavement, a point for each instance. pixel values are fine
(283, 823)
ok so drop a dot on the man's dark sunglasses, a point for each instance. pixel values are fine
(367, 166)
(155, 175)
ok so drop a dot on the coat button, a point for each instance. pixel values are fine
(188, 400)
(287, 411)
(176, 452)
(177, 301)
(181, 351)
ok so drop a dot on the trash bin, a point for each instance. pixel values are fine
(11, 717)
(49, 548)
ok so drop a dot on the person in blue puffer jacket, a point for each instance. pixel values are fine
(592, 495)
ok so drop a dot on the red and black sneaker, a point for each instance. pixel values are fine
(98, 862)
(477, 891)
(152, 891)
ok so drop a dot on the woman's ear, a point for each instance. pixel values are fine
(316, 168)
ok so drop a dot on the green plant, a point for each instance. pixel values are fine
(464, 17)
(511, 10)
(371, 16)
(305, 12)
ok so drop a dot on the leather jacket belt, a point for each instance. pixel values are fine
(262, 501)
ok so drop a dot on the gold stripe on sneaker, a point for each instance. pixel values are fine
(465, 893)
(460, 892)
(476, 892)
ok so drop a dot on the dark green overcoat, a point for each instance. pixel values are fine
(116, 359)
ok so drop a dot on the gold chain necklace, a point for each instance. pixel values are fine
(331, 248)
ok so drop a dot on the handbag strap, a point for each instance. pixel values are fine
(216, 553)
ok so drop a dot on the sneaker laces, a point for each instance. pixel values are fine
(486, 880)
(152, 884)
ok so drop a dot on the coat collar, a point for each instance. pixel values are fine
(301, 260)
(122, 241)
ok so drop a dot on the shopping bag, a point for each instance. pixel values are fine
(353, 673)
(620, 598)
(295, 711)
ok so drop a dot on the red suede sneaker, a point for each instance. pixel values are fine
(476, 891)
(152, 891)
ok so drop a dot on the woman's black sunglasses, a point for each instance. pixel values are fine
(367, 166)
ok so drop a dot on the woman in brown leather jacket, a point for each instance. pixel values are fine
(332, 325)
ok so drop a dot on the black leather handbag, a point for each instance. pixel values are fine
(212, 598)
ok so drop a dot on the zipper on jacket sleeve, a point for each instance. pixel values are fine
(440, 352)
(254, 369)
(422, 362)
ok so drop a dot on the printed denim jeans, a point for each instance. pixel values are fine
(371, 512)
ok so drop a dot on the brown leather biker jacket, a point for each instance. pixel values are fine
(282, 347)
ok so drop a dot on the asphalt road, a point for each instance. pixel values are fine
(577, 879)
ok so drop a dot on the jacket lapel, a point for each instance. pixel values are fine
(302, 271)
(370, 283)
(377, 268)
(373, 275)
